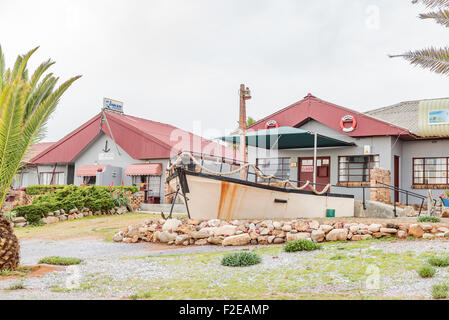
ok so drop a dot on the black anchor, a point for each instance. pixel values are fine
(106, 149)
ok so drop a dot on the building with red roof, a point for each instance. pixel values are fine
(409, 140)
(114, 148)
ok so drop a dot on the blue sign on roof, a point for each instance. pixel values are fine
(113, 105)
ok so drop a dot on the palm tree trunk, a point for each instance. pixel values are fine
(9, 246)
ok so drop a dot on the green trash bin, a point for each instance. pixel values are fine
(330, 213)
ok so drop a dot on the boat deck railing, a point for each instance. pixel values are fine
(222, 164)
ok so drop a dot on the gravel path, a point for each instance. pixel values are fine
(118, 270)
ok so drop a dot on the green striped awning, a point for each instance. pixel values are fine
(286, 138)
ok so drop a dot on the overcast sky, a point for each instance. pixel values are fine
(182, 61)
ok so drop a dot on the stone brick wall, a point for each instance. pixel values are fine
(380, 194)
(136, 199)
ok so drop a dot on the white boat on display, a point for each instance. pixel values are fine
(216, 195)
(210, 194)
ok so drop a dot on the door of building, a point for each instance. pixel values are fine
(323, 171)
(396, 177)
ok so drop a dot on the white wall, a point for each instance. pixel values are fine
(90, 156)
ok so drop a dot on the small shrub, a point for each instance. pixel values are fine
(301, 245)
(241, 259)
(426, 272)
(439, 261)
(440, 291)
(17, 286)
(431, 219)
(60, 261)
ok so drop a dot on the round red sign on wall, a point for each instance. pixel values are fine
(271, 124)
(348, 119)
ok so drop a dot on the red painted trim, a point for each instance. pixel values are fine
(67, 137)
(329, 114)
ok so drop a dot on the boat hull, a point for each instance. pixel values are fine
(214, 197)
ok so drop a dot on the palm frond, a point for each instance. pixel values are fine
(441, 16)
(433, 3)
(435, 59)
(25, 107)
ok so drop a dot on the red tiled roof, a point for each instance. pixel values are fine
(140, 138)
(330, 115)
(35, 149)
(89, 170)
(144, 169)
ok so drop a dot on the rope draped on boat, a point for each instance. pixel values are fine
(248, 165)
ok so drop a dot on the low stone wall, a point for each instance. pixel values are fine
(236, 233)
(61, 215)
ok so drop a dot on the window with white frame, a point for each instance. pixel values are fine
(279, 167)
(45, 178)
(430, 171)
(356, 168)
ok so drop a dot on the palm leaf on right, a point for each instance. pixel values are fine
(435, 59)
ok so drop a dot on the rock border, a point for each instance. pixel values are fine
(262, 232)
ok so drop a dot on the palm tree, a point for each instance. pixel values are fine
(26, 103)
(435, 59)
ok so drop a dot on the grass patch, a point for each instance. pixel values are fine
(301, 245)
(17, 286)
(440, 291)
(426, 272)
(60, 261)
(21, 272)
(241, 259)
(439, 261)
(429, 219)
(103, 227)
(145, 295)
(338, 257)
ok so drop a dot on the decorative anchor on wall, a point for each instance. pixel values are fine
(106, 149)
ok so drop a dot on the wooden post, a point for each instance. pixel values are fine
(244, 95)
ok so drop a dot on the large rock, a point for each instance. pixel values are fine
(426, 227)
(202, 234)
(298, 236)
(215, 240)
(416, 231)
(318, 235)
(238, 240)
(50, 220)
(375, 227)
(277, 225)
(389, 230)
(326, 228)
(186, 228)
(360, 237)
(19, 220)
(402, 234)
(314, 225)
(118, 237)
(166, 237)
(226, 230)
(337, 235)
(181, 238)
(301, 226)
(171, 225)
(286, 228)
